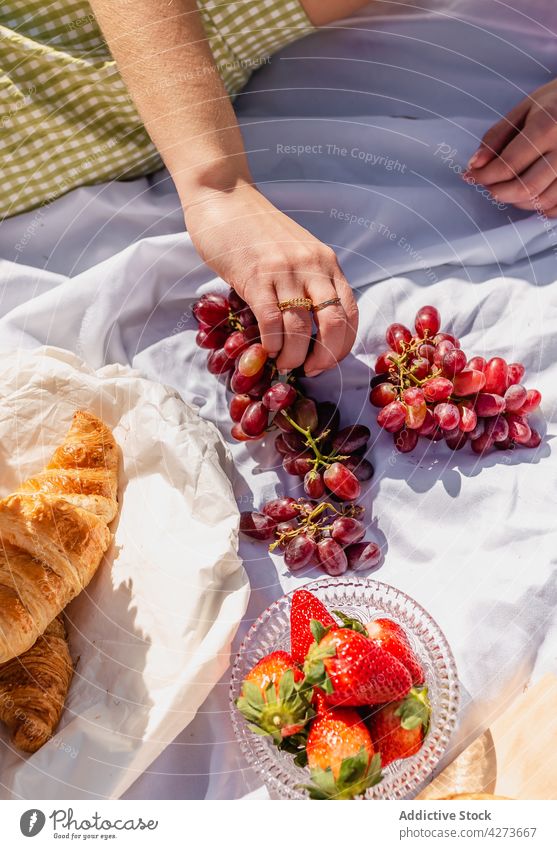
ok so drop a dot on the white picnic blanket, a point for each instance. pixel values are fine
(358, 132)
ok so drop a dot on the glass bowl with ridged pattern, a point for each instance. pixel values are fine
(366, 599)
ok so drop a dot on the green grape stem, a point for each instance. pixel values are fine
(320, 459)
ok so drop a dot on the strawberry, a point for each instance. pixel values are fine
(305, 607)
(341, 756)
(398, 729)
(392, 638)
(352, 670)
(274, 699)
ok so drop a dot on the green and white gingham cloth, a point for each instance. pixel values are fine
(66, 117)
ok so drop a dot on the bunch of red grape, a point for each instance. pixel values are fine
(313, 533)
(426, 386)
(312, 445)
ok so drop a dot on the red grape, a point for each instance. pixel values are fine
(279, 396)
(519, 429)
(416, 407)
(497, 428)
(383, 394)
(239, 434)
(213, 338)
(299, 551)
(238, 406)
(397, 337)
(283, 528)
(429, 425)
(477, 364)
(298, 464)
(236, 344)
(235, 301)
(295, 442)
(281, 509)
(392, 417)
(346, 530)
(437, 389)
(281, 445)
(258, 389)
(534, 441)
(242, 384)
(342, 482)
(246, 318)
(532, 402)
(427, 322)
(478, 430)
(351, 439)
(328, 418)
(515, 373)
(447, 416)
(405, 440)
(496, 376)
(363, 555)
(442, 337)
(453, 362)
(331, 557)
(255, 419)
(360, 467)
(257, 525)
(488, 404)
(252, 360)
(457, 441)
(482, 444)
(441, 350)
(469, 382)
(314, 485)
(384, 362)
(304, 413)
(468, 419)
(420, 367)
(283, 423)
(515, 396)
(212, 309)
(427, 351)
(218, 362)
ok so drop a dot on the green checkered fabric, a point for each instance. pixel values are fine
(66, 118)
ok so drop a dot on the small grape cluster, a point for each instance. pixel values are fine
(426, 386)
(311, 533)
(312, 444)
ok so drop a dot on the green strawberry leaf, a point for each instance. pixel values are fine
(287, 686)
(415, 710)
(318, 630)
(351, 622)
(252, 694)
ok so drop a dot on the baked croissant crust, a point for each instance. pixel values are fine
(84, 469)
(53, 533)
(34, 686)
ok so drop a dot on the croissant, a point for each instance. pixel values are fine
(53, 532)
(84, 469)
(34, 686)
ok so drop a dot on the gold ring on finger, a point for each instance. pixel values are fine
(331, 302)
(296, 303)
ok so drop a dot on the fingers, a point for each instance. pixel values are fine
(296, 325)
(336, 324)
(269, 317)
(498, 136)
(530, 185)
(524, 149)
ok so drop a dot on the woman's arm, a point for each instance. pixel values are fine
(165, 59)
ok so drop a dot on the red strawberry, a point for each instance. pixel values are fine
(391, 637)
(274, 698)
(352, 670)
(398, 729)
(341, 756)
(305, 607)
(394, 639)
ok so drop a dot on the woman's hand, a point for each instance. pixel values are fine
(517, 159)
(266, 257)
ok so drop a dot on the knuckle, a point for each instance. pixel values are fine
(297, 325)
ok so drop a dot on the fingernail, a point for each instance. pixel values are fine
(314, 373)
(474, 159)
(282, 371)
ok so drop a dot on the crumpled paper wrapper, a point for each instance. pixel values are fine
(151, 634)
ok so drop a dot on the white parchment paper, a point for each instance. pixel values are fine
(151, 634)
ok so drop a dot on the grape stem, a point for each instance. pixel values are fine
(320, 459)
(312, 525)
